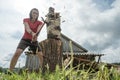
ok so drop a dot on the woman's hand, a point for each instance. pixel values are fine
(34, 37)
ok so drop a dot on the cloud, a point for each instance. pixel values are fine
(105, 30)
(17, 35)
(94, 26)
(111, 55)
(103, 5)
(5, 61)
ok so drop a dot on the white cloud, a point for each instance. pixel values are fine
(112, 55)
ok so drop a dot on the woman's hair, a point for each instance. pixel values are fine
(30, 14)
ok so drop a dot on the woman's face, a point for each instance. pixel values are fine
(35, 14)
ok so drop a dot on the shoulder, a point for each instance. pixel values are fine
(26, 20)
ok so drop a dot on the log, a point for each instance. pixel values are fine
(32, 62)
(52, 54)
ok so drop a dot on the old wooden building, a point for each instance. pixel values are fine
(80, 54)
(77, 49)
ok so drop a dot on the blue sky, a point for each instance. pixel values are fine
(94, 24)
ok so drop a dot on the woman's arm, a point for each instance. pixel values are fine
(27, 28)
(34, 37)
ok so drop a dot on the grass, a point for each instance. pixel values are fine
(71, 73)
(67, 74)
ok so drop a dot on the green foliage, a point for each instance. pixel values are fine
(0, 69)
(63, 74)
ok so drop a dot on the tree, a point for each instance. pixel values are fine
(1, 69)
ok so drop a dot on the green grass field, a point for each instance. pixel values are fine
(67, 74)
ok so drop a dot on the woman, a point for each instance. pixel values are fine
(32, 29)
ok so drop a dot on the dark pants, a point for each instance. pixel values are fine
(24, 43)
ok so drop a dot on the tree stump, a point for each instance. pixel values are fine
(32, 62)
(52, 54)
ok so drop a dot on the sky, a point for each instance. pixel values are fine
(94, 24)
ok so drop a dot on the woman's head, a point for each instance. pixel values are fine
(34, 14)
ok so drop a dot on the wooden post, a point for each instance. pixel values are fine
(52, 54)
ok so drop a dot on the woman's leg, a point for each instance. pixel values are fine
(20, 48)
(15, 58)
